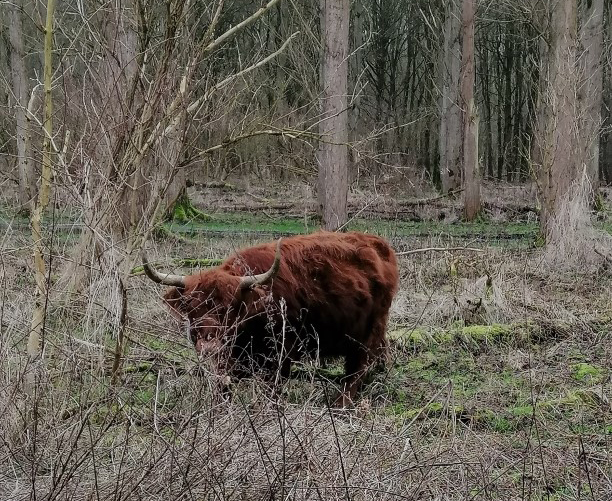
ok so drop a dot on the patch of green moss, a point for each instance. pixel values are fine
(202, 262)
(502, 424)
(157, 344)
(409, 337)
(485, 333)
(522, 410)
(422, 367)
(183, 211)
(331, 371)
(103, 413)
(144, 396)
(140, 367)
(515, 333)
(587, 372)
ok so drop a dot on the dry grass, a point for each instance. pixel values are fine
(487, 420)
(573, 244)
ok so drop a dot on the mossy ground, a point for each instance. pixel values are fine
(498, 378)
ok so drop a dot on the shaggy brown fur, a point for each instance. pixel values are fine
(330, 297)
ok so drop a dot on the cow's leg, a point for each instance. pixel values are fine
(356, 366)
(359, 360)
(379, 348)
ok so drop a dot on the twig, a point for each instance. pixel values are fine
(337, 441)
(438, 249)
(357, 213)
(264, 61)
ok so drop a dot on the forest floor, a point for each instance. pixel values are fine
(499, 386)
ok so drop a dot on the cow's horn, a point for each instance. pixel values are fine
(161, 278)
(262, 278)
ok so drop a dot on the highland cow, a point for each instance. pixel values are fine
(320, 295)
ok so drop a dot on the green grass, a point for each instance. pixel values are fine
(259, 222)
(496, 234)
(587, 372)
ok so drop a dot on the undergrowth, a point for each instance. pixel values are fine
(492, 392)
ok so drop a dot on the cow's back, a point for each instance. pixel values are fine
(334, 284)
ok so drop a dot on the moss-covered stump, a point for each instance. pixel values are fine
(183, 211)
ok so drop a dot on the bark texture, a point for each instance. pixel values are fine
(20, 88)
(590, 91)
(471, 175)
(333, 148)
(556, 154)
(35, 337)
(450, 113)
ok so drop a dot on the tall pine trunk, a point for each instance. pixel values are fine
(556, 153)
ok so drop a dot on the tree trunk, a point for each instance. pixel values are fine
(21, 91)
(471, 174)
(486, 95)
(590, 91)
(356, 64)
(517, 116)
(450, 114)
(333, 147)
(605, 156)
(555, 142)
(507, 148)
(35, 337)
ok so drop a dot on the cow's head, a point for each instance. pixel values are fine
(213, 302)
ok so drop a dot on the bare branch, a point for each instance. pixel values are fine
(259, 64)
(232, 31)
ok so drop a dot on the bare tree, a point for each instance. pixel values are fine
(555, 154)
(44, 189)
(144, 92)
(471, 174)
(450, 110)
(20, 91)
(606, 141)
(590, 93)
(333, 148)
